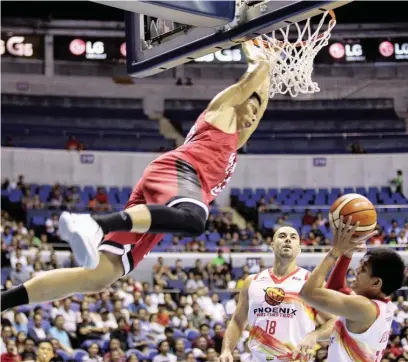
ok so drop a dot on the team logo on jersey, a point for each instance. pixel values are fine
(274, 296)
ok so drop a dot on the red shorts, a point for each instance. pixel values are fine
(169, 181)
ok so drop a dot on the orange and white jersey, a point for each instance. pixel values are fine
(364, 347)
(278, 319)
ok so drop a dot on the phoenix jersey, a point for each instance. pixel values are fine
(364, 347)
(277, 317)
(212, 153)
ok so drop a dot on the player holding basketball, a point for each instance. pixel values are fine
(172, 196)
(282, 327)
(361, 333)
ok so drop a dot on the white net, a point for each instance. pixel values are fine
(291, 51)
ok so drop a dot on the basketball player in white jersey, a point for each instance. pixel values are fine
(361, 333)
(282, 327)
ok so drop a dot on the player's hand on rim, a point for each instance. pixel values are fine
(225, 356)
(304, 351)
(252, 52)
(344, 241)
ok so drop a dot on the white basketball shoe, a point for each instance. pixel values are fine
(84, 236)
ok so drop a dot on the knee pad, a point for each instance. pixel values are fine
(195, 218)
(184, 219)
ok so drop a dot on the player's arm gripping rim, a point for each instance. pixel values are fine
(253, 78)
(238, 323)
(354, 308)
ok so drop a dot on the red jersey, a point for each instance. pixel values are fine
(212, 153)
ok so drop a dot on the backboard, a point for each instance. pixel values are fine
(155, 44)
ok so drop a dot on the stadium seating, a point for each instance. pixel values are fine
(371, 123)
(103, 126)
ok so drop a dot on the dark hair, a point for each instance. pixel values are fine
(204, 325)
(46, 341)
(161, 343)
(387, 265)
(168, 330)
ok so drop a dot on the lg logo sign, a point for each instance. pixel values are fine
(92, 50)
(226, 55)
(387, 49)
(16, 46)
(352, 52)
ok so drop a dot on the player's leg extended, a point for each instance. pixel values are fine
(61, 283)
(172, 198)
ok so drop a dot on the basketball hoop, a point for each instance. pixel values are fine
(292, 61)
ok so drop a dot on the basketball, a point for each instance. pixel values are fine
(359, 208)
(274, 296)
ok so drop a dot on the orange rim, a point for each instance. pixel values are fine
(332, 21)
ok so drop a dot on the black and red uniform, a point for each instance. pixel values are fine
(195, 172)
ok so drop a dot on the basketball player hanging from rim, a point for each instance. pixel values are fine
(171, 197)
(281, 326)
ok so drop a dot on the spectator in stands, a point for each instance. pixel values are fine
(402, 314)
(320, 219)
(180, 350)
(102, 200)
(107, 322)
(20, 323)
(179, 320)
(396, 349)
(51, 227)
(87, 328)
(71, 318)
(7, 235)
(20, 339)
(5, 255)
(37, 332)
(175, 246)
(169, 302)
(136, 305)
(18, 257)
(21, 184)
(115, 352)
(197, 317)
(308, 218)
(19, 275)
(204, 333)
(164, 355)
(72, 144)
(397, 183)
(121, 333)
(28, 353)
(137, 338)
(12, 354)
(219, 259)
(163, 315)
(93, 354)
(200, 351)
(272, 205)
(156, 329)
(55, 198)
(60, 334)
(394, 227)
(194, 282)
(119, 311)
(179, 271)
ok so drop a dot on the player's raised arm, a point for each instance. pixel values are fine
(353, 307)
(256, 74)
(237, 324)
